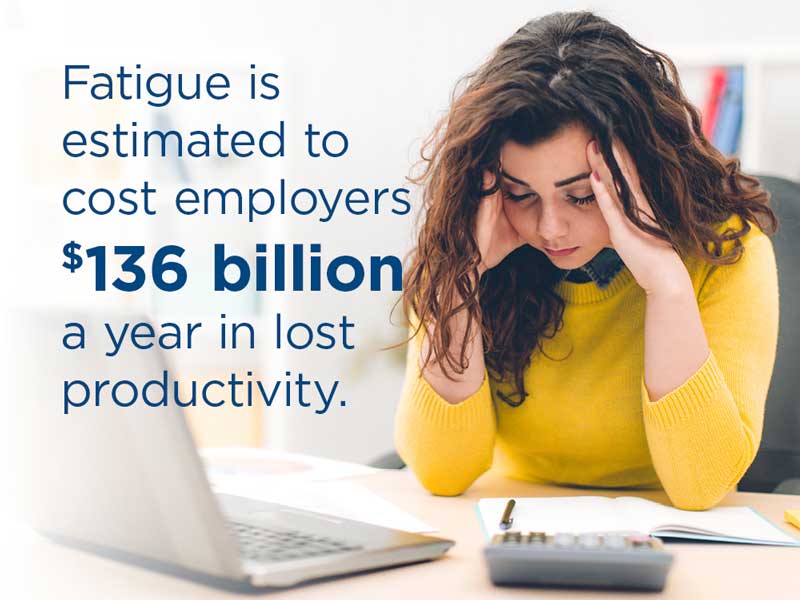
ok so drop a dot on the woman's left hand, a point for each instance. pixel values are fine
(652, 261)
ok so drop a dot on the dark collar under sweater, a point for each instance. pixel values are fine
(601, 269)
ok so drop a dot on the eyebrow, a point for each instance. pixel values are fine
(561, 183)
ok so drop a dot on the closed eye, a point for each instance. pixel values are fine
(517, 197)
(583, 200)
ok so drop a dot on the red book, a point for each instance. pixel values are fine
(716, 86)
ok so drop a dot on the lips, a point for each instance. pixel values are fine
(562, 252)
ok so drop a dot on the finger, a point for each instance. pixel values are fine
(625, 164)
(510, 229)
(488, 180)
(631, 175)
(609, 206)
(628, 170)
(605, 193)
(489, 203)
(598, 164)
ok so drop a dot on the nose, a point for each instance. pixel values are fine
(552, 225)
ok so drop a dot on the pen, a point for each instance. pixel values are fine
(507, 519)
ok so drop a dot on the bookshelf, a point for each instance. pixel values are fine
(770, 138)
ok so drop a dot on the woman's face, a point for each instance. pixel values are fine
(548, 198)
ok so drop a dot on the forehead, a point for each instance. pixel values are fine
(544, 162)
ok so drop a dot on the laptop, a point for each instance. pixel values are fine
(128, 482)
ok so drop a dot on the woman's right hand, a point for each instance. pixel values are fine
(494, 234)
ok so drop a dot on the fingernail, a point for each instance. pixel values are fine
(596, 175)
(595, 149)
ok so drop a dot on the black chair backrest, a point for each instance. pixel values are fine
(778, 457)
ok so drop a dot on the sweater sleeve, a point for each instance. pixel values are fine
(447, 446)
(704, 434)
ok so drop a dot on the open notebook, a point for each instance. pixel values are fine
(585, 514)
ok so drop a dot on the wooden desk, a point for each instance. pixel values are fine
(700, 570)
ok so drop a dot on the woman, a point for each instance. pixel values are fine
(594, 294)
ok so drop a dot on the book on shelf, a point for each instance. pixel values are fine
(726, 93)
(716, 87)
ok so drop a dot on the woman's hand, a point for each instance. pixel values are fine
(652, 261)
(675, 343)
(494, 234)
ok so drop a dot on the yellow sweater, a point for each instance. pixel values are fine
(588, 420)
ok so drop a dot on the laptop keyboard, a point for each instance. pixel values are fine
(274, 545)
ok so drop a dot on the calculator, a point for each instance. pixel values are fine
(599, 560)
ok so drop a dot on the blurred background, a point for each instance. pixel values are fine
(380, 72)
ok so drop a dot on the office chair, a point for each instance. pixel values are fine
(777, 464)
(776, 467)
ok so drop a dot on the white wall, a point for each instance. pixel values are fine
(382, 72)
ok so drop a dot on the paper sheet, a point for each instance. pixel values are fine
(257, 463)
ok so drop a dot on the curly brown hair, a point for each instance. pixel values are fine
(561, 69)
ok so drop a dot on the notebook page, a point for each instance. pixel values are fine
(738, 522)
(579, 514)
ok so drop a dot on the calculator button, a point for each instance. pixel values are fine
(640, 541)
(589, 540)
(656, 544)
(615, 542)
(563, 540)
